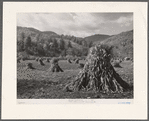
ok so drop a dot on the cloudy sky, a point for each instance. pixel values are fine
(78, 24)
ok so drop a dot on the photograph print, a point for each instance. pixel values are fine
(75, 55)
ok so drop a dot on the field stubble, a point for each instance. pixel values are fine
(40, 83)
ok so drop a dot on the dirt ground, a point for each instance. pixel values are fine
(40, 83)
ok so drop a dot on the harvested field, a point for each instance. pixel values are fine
(39, 83)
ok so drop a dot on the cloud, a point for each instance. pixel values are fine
(125, 21)
(77, 24)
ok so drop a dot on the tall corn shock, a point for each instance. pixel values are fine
(98, 74)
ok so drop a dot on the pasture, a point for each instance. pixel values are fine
(40, 83)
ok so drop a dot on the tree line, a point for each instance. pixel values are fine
(81, 41)
(49, 47)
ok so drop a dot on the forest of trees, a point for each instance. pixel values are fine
(51, 47)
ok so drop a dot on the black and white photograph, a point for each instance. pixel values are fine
(75, 55)
(75, 60)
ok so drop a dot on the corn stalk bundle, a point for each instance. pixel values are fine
(54, 66)
(48, 60)
(41, 62)
(37, 59)
(98, 74)
(81, 65)
(29, 66)
(69, 61)
(77, 61)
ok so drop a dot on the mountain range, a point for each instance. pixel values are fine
(122, 43)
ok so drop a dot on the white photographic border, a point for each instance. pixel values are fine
(12, 108)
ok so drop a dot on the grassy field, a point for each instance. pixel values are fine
(40, 83)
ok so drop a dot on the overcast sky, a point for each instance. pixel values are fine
(78, 24)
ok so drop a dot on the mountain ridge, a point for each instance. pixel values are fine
(122, 43)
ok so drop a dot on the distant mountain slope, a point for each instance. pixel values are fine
(26, 30)
(96, 38)
(122, 43)
(34, 33)
(44, 37)
(53, 34)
